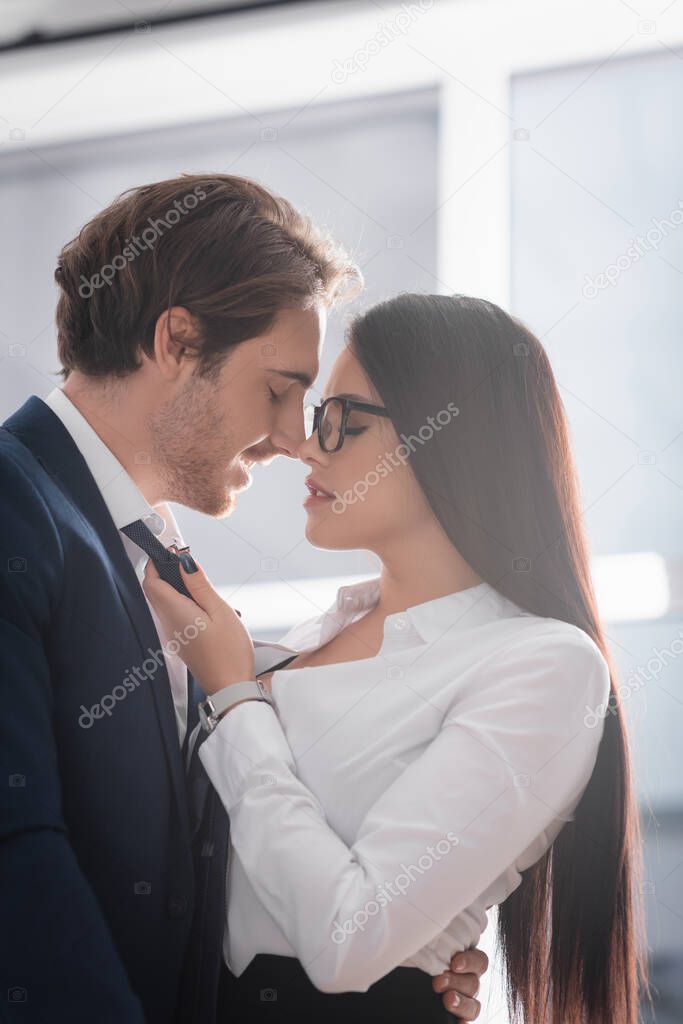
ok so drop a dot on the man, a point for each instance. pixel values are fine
(190, 318)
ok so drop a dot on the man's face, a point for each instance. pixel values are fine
(209, 434)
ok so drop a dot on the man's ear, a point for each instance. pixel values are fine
(175, 341)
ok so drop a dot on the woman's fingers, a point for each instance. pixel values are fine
(458, 993)
(174, 608)
(462, 1007)
(199, 586)
(464, 984)
(470, 961)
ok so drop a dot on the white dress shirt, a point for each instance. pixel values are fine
(126, 503)
(387, 803)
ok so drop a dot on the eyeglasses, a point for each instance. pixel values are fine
(331, 417)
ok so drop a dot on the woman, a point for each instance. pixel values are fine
(426, 754)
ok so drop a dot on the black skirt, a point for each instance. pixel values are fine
(277, 990)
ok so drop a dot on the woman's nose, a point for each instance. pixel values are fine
(309, 450)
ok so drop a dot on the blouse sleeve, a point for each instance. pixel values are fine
(513, 754)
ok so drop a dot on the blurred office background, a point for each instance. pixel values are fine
(527, 151)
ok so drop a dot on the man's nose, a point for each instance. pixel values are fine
(289, 434)
(290, 452)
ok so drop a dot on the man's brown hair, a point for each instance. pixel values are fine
(224, 247)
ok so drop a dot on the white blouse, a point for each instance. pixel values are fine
(388, 803)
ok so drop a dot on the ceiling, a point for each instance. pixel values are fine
(41, 22)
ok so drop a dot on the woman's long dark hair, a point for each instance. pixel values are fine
(500, 479)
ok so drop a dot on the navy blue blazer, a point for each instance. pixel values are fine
(100, 865)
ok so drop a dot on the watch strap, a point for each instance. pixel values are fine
(215, 706)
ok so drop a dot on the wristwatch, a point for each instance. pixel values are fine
(214, 707)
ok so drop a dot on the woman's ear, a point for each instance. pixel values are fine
(176, 337)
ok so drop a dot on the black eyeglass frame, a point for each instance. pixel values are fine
(348, 405)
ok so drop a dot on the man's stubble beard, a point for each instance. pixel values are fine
(192, 448)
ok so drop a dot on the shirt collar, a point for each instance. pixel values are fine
(465, 609)
(426, 622)
(123, 498)
(430, 620)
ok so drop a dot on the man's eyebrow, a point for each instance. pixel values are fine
(303, 378)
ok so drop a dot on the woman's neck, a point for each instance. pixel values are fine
(422, 570)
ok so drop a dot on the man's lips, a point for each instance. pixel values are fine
(259, 460)
(255, 460)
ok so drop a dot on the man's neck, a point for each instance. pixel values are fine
(118, 422)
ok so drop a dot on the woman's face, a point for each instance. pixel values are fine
(375, 497)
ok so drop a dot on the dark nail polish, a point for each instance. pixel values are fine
(188, 562)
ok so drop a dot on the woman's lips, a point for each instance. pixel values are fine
(316, 499)
(316, 495)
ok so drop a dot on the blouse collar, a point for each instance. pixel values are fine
(429, 621)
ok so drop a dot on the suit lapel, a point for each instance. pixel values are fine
(40, 430)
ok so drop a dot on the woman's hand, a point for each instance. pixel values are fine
(459, 987)
(210, 636)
